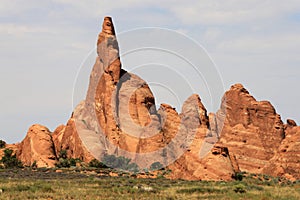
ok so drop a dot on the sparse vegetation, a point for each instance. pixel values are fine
(69, 184)
(10, 160)
(64, 161)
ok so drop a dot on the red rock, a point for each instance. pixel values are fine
(37, 147)
(201, 161)
(291, 123)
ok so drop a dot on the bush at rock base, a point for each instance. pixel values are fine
(10, 160)
(120, 162)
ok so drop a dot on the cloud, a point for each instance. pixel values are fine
(232, 11)
(249, 44)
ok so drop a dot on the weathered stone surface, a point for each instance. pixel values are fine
(37, 147)
(286, 159)
(68, 139)
(252, 130)
(201, 161)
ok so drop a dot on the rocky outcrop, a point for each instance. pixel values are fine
(201, 160)
(67, 138)
(252, 130)
(37, 147)
(285, 162)
(119, 116)
(255, 134)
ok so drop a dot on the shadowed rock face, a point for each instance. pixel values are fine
(118, 116)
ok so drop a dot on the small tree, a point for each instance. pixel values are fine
(2, 144)
(10, 160)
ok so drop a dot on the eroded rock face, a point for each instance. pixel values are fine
(37, 147)
(286, 159)
(252, 131)
(67, 138)
(201, 160)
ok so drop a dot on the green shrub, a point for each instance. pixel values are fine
(63, 154)
(10, 160)
(63, 163)
(34, 165)
(156, 166)
(97, 164)
(66, 162)
(73, 161)
(240, 188)
(120, 163)
(238, 176)
(2, 144)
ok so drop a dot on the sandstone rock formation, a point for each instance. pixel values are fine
(119, 117)
(255, 134)
(37, 147)
(252, 130)
(285, 162)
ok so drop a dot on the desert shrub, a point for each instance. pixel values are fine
(238, 176)
(66, 162)
(2, 144)
(73, 161)
(97, 164)
(120, 163)
(156, 166)
(63, 163)
(10, 160)
(34, 165)
(63, 154)
(240, 188)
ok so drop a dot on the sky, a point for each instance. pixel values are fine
(44, 43)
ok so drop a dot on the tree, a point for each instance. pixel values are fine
(10, 160)
(2, 144)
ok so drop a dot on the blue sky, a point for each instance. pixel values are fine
(43, 44)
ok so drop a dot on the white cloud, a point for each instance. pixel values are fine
(231, 11)
(21, 30)
(271, 44)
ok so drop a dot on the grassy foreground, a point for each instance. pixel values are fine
(93, 184)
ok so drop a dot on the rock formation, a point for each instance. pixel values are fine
(37, 147)
(119, 117)
(252, 130)
(286, 159)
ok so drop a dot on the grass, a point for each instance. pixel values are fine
(71, 184)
